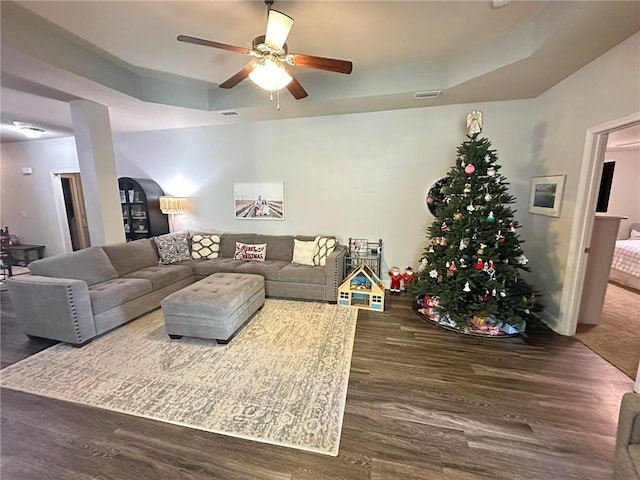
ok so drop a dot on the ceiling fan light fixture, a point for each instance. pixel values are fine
(269, 75)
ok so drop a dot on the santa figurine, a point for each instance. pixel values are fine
(396, 278)
(408, 276)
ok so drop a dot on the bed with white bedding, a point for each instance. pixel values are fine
(625, 266)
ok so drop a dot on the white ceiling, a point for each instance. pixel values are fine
(124, 54)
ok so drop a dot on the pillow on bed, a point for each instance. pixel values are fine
(634, 235)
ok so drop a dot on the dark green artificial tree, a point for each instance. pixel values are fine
(473, 260)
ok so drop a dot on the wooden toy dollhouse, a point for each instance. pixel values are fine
(362, 289)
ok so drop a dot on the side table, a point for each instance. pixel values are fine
(23, 254)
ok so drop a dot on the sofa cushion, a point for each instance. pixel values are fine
(228, 242)
(303, 252)
(113, 293)
(131, 256)
(250, 251)
(91, 265)
(297, 273)
(163, 275)
(279, 247)
(269, 269)
(173, 247)
(326, 246)
(216, 265)
(205, 246)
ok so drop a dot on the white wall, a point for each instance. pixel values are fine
(28, 201)
(603, 90)
(625, 188)
(360, 175)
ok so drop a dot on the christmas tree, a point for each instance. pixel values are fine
(470, 275)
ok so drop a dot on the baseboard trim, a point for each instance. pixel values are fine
(551, 321)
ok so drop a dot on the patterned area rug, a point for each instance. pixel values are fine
(282, 380)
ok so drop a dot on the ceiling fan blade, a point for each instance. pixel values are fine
(238, 77)
(209, 43)
(320, 63)
(296, 89)
(278, 27)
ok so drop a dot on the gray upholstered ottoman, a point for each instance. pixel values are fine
(215, 307)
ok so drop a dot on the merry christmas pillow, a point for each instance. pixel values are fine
(250, 251)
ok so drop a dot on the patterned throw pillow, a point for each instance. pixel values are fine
(250, 251)
(205, 246)
(634, 235)
(173, 248)
(303, 252)
(326, 246)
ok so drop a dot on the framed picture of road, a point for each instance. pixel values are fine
(546, 195)
(258, 200)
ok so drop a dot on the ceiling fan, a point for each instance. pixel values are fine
(270, 52)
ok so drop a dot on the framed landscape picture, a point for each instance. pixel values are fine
(546, 195)
(258, 200)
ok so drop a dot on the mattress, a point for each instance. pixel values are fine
(626, 257)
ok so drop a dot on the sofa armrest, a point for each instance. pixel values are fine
(55, 308)
(629, 420)
(334, 271)
(626, 466)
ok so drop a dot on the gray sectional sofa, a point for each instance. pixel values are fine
(74, 297)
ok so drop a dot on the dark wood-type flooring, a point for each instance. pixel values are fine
(423, 403)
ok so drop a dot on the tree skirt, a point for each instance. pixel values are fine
(467, 330)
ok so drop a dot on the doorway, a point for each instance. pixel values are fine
(582, 227)
(612, 330)
(75, 210)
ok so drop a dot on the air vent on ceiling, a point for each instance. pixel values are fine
(427, 94)
(229, 113)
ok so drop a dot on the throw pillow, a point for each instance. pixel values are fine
(173, 248)
(303, 252)
(326, 246)
(250, 251)
(205, 246)
(635, 235)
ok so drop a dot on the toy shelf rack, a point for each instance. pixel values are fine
(362, 250)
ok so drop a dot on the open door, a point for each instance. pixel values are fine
(76, 212)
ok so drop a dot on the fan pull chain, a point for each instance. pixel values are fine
(277, 98)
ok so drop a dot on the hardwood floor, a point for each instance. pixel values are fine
(422, 403)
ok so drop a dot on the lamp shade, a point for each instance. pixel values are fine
(173, 204)
(269, 75)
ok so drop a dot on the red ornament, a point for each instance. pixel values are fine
(469, 169)
(479, 265)
(453, 267)
(430, 200)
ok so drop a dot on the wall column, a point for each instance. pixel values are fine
(96, 160)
